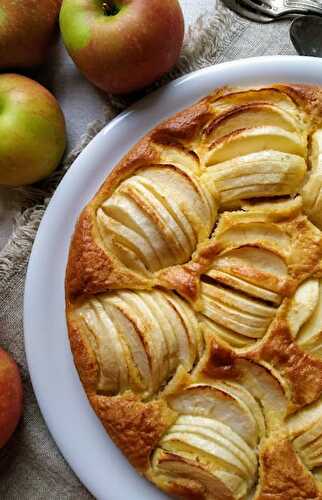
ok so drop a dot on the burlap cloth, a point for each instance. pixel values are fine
(31, 466)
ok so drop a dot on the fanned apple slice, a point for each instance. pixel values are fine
(205, 400)
(312, 191)
(175, 210)
(303, 304)
(266, 389)
(140, 338)
(166, 329)
(255, 271)
(251, 96)
(233, 339)
(244, 286)
(159, 256)
(249, 116)
(111, 231)
(217, 483)
(253, 140)
(186, 350)
(139, 360)
(221, 434)
(305, 316)
(302, 421)
(107, 346)
(247, 401)
(262, 234)
(211, 443)
(158, 216)
(186, 192)
(264, 173)
(236, 311)
(178, 156)
(189, 320)
(161, 353)
(305, 429)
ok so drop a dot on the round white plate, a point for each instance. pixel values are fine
(70, 419)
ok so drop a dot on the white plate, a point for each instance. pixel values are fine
(70, 419)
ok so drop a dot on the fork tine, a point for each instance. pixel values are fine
(250, 12)
(264, 7)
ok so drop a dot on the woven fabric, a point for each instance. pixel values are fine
(31, 466)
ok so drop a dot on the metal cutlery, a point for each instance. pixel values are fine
(306, 35)
(270, 10)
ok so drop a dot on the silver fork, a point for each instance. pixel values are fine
(278, 8)
(268, 10)
(247, 11)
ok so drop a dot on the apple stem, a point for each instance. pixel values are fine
(109, 7)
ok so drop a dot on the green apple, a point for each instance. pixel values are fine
(26, 28)
(10, 396)
(32, 131)
(122, 45)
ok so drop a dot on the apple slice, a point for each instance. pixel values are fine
(140, 338)
(159, 215)
(247, 401)
(218, 484)
(233, 339)
(111, 232)
(187, 192)
(236, 311)
(266, 389)
(305, 429)
(221, 434)
(252, 140)
(107, 346)
(312, 192)
(305, 316)
(302, 305)
(189, 320)
(251, 96)
(175, 210)
(263, 234)
(265, 173)
(249, 116)
(166, 328)
(178, 156)
(205, 400)
(126, 212)
(262, 268)
(150, 324)
(214, 439)
(185, 348)
(244, 286)
(167, 226)
(302, 421)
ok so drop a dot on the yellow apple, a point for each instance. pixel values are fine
(32, 131)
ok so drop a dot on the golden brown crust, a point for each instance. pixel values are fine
(84, 357)
(283, 476)
(229, 338)
(301, 372)
(135, 427)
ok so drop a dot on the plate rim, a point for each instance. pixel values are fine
(31, 276)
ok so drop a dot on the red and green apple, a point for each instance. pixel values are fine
(32, 131)
(10, 396)
(122, 45)
(26, 29)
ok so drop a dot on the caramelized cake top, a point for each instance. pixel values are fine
(194, 298)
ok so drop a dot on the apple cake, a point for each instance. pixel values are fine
(194, 298)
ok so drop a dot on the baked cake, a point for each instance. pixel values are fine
(194, 298)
